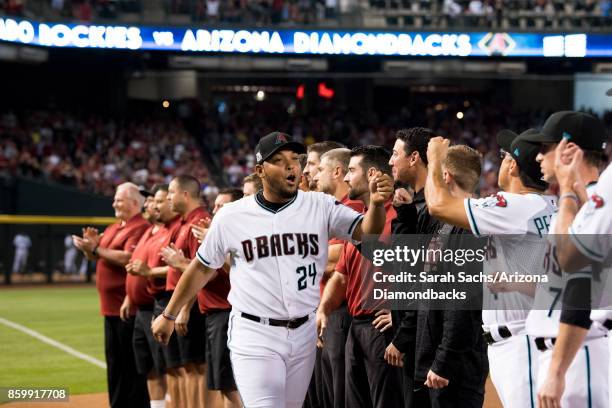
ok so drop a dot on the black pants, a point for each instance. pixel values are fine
(332, 358)
(126, 388)
(447, 397)
(370, 381)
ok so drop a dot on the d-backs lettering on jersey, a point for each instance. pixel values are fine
(287, 244)
(277, 255)
(524, 220)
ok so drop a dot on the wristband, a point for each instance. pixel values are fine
(168, 316)
(570, 195)
(95, 250)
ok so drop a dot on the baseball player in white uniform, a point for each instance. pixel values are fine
(22, 244)
(277, 244)
(522, 210)
(70, 255)
(591, 232)
(571, 338)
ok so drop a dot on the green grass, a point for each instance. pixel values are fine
(68, 315)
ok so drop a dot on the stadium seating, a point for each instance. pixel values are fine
(95, 153)
(413, 14)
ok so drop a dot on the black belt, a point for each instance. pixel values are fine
(540, 343)
(608, 324)
(290, 324)
(503, 331)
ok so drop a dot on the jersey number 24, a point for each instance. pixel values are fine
(305, 274)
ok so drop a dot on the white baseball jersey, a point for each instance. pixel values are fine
(277, 257)
(526, 219)
(543, 320)
(591, 230)
(22, 242)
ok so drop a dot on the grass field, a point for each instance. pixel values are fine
(67, 315)
(70, 316)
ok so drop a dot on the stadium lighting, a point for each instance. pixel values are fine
(165, 104)
(459, 115)
(260, 96)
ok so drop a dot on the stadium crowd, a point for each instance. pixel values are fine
(96, 154)
(469, 13)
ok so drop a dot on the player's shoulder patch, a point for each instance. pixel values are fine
(494, 200)
(597, 201)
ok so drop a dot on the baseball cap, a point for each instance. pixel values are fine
(273, 142)
(523, 152)
(580, 128)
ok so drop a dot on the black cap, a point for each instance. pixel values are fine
(272, 143)
(144, 192)
(524, 153)
(580, 128)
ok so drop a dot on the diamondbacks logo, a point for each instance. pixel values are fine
(281, 138)
(497, 200)
(598, 201)
(501, 201)
(497, 44)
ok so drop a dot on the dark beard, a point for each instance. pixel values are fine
(286, 194)
(353, 195)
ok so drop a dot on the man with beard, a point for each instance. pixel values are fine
(277, 240)
(370, 381)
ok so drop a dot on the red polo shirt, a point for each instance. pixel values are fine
(186, 242)
(213, 296)
(110, 278)
(136, 286)
(356, 267)
(356, 205)
(164, 236)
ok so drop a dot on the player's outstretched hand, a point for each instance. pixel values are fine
(321, 326)
(435, 381)
(550, 393)
(162, 329)
(437, 149)
(383, 320)
(381, 188)
(393, 356)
